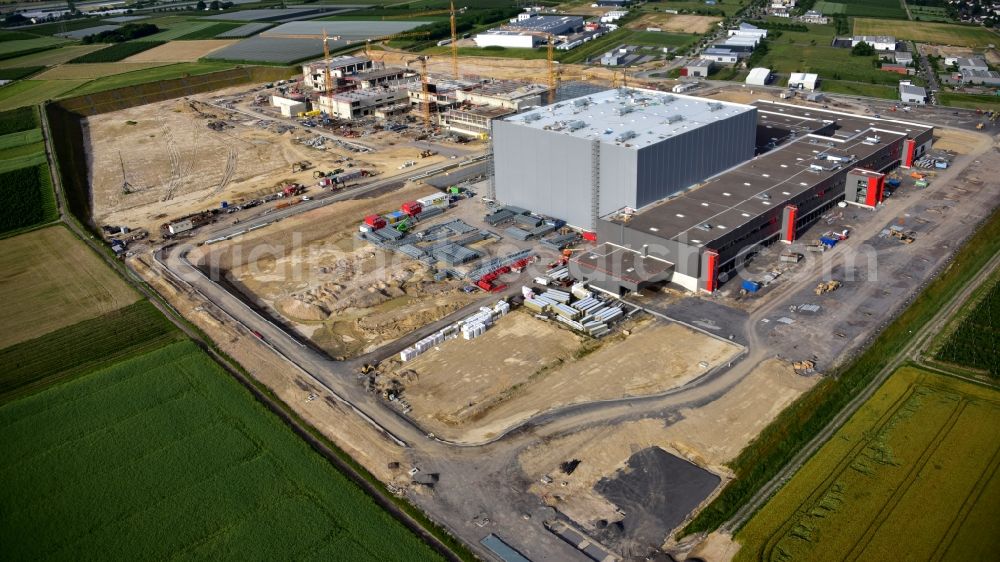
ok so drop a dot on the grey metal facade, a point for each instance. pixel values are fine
(553, 173)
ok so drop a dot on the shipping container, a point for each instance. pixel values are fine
(828, 241)
(375, 221)
(920, 183)
(412, 208)
(751, 286)
(893, 183)
(791, 257)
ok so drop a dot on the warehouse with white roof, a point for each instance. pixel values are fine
(758, 76)
(582, 158)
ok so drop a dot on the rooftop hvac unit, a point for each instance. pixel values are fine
(575, 125)
(674, 118)
(532, 117)
(705, 226)
(873, 140)
(625, 110)
(668, 99)
(764, 196)
(816, 167)
(583, 102)
(714, 106)
(626, 136)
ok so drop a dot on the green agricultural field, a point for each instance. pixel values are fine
(830, 63)
(50, 57)
(179, 29)
(661, 39)
(727, 7)
(150, 75)
(26, 197)
(21, 156)
(31, 92)
(929, 13)
(117, 52)
(209, 32)
(83, 347)
(63, 26)
(969, 101)
(973, 343)
(864, 8)
(15, 36)
(859, 89)
(917, 465)
(169, 457)
(22, 138)
(18, 120)
(9, 49)
(929, 32)
(19, 73)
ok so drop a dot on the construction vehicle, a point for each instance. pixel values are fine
(916, 175)
(901, 235)
(827, 287)
(402, 226)
(301, 166)
(427, 153)
(368, 368)
(804, 366)
(980, 126)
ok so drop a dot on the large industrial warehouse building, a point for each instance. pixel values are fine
(587, 157)
(694, 234)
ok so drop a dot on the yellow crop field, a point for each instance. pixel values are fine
(916, 466)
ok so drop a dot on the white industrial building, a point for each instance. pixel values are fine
(362, 103)
(879, 42)
(724, 56)
(908, 93)
(815, 17)
(314, 73)
(758, 77)
(289, 107)
(803, 81)
(628, 147)
(972, 64)
(699, 68)
(747, 30)
(528, 31)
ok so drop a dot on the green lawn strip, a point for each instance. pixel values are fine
(10, 49)
(62, 26)
(23, 156)
(83, 347)
(969, 101)
(807, 416)
(20, 138)
(19, 72)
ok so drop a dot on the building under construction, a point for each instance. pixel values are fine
(692, 234)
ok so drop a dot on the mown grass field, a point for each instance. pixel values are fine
(166, 456)
(151, 75)
(31, 92)
(914, 471)
(178, 30)
(95, 70)
(83, 347)
(870, 8)
(52, 280)
(10, 48)
(975, 341)
(970, 101)
(50, 57)
(929, 32)
(210, 31)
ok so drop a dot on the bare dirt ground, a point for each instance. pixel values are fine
(181, 51)
(345, 295)
(474, 390)
(51, 266)
(717, 547)
(679, 23)
(535, 70)
(954, 140)
(342, 426)
(177, 165)
(709, 436)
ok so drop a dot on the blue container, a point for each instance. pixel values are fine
(941, 164)
(751, 286)
(225, 204)
(894, 183)
(831, 242)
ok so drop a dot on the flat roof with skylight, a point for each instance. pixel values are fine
(632, 118)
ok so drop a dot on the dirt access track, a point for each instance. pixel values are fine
(177, 165)
(708, 435)
(474, 390)
(344, 294)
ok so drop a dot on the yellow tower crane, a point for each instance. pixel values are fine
(454, 43)
(424, 89)
(327, 81)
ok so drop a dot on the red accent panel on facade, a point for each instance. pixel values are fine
(871, 198)
(793, 211)
(911, 147)
(713, 258)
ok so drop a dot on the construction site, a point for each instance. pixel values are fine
(504, 295)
